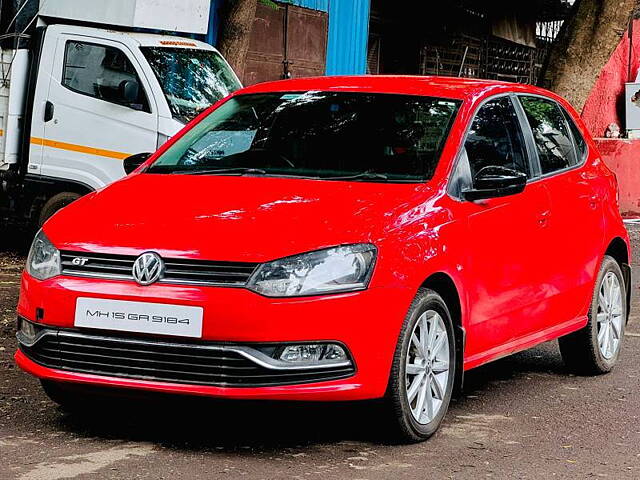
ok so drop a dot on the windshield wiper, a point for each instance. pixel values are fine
(225, 171)
(361, 176)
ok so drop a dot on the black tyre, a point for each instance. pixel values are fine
(595, 349)
(68, 397)
(54, 204)
(80, 398)
(423, 370)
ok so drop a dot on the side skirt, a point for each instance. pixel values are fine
(524, 343)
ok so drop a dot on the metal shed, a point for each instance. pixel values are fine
(304, 37)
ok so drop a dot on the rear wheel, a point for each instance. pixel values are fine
(595, 349)
(423, 371)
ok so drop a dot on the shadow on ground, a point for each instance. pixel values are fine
(198, 424)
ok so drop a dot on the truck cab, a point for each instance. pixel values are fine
(81, 99)
(106, 95)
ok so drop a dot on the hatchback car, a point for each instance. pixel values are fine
(336, 239)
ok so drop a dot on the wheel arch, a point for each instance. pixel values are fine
(52, 186)
(44, 188)
(444, 285)
(619, 251)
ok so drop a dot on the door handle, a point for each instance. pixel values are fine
(543, 219)
(48, 111)
(593, 202)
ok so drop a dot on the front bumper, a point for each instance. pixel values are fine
(193, 362)
(367, 323)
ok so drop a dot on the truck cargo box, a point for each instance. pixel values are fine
(191, 16)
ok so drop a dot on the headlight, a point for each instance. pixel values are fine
(340, 269)
(44, 259)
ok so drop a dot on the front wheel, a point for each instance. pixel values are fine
(78, 398)
(66, 397)
(423, 370)
(595, 349)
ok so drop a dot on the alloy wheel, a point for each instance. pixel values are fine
(427, 367)
(610, 315)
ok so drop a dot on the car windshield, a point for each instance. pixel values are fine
(191, 79)
(320, 135)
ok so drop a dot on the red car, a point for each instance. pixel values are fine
(335, 239)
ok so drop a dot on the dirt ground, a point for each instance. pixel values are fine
(521, 417)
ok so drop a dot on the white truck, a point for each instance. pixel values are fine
(82, 89)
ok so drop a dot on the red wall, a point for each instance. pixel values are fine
(605, 104)
(623, 157)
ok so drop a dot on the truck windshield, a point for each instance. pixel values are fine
(320, 135)
(192, 79)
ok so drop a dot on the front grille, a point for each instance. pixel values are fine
(177, 271)
(186, 363)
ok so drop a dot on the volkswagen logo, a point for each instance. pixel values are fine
(147, 268)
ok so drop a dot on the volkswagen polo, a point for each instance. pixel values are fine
(336, 239)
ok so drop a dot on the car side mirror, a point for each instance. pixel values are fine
(134, 161)
(494, 182)
(129, 91)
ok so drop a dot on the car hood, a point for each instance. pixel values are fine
(231, 217)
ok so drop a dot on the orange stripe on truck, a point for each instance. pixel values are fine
(72, 147)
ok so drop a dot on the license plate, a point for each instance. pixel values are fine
(141, 317)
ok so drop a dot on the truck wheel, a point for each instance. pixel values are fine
(595, 349)
(423, 370)
(54, 204)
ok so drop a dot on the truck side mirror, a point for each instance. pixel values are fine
(129, 91)
(134, 161)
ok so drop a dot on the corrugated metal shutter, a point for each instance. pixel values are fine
(321, 5)
(348, 37)
(214, 23)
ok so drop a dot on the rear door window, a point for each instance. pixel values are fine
(551, 134)
(581, 144)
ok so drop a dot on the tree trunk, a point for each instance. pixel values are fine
(235, 32)
(586, 43)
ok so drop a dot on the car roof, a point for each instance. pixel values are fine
(444, 87)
